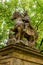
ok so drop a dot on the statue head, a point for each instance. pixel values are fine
(16, 15)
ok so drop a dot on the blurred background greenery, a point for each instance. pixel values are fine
(35, 11)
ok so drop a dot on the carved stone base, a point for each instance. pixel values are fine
(20, 55)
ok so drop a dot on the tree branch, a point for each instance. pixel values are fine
(37, 25)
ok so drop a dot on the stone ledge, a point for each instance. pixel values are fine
(21, 48)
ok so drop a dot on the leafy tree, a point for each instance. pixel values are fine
(35, 11)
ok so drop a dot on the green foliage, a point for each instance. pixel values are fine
(35, 11)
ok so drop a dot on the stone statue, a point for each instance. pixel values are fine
(23, 31)
(29, 31)
(18, 28)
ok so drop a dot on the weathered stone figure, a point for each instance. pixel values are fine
(12, 38)
(23, 29)
(19, 26)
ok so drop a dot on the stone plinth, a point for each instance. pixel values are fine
(20, 55)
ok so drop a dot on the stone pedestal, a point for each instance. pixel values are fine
(20, 55)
